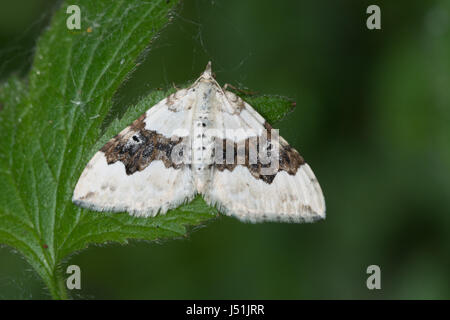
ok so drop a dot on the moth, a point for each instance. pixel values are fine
(202, 140)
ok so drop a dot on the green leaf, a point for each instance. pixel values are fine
(51, 127)
(272, 107)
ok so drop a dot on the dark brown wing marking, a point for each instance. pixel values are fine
(289, 159)
(137, 147)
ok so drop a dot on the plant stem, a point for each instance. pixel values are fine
(57, 287)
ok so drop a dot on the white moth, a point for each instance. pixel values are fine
(202, 140)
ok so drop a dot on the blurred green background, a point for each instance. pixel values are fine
(372, 120)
